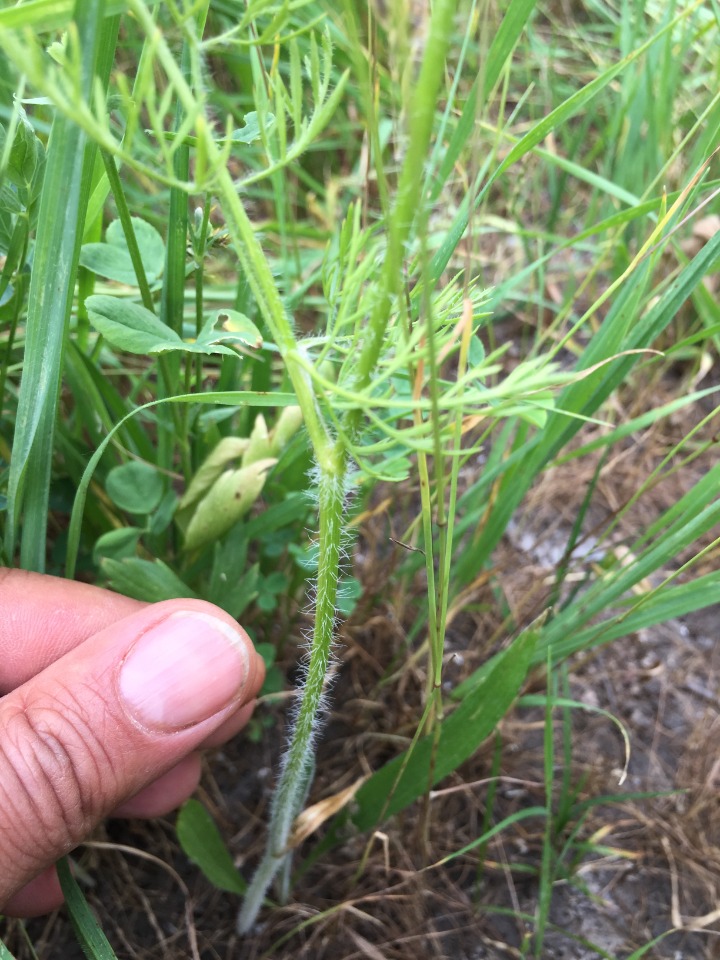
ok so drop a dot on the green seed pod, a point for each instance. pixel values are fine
(231, 496)
(288, 424)
(259, 444)
(229, 448)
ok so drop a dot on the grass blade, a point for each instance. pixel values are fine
(57, 247)
(87, 930)
(502, 46)
(406, 778)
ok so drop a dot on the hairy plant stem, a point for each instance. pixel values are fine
(297, 765)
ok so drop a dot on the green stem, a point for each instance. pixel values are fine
(199, 251)
(421, 116)
(126, 222)
(260, 279)
(297, 765)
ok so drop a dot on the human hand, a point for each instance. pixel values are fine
(106, 702)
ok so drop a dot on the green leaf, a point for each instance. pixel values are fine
(5, 953)
(238, 398)
(268, 653)
(201, 841)
(162, 517)
(130, 327)
(237, 595)
(27, 156)
(147, 580)
(476, 352)
(294, 509)
(516, 817)
(135, 487)
(93, 941)
(236, 328)
(250, 131)
(112, 258)
(9, 200)
(45, 15)
(411, 775)
(117, 544)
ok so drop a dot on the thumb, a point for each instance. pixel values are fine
(107, 719)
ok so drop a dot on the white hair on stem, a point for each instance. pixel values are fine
(331, 493)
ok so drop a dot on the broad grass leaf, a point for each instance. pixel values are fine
(43, 15)
(135, 487)
(62, 205)
(112, 258)
(147, 580)
(201, 841)
(393, 788)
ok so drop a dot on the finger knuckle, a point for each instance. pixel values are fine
(54, 772)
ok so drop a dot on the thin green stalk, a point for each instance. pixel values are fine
(166, 370)
(199, 251)
(331, 456)
(172, 304)
(128, 230)
(548, 859)
(92, 233)
(441, 520)
(421, 117)
(259, 276)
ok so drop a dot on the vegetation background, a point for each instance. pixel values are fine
(395, 326)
